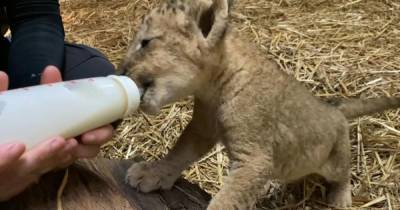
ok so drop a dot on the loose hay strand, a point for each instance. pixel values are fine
(334, 47)
(61, 190)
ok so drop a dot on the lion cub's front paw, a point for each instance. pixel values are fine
(150, 176)
(340, 196)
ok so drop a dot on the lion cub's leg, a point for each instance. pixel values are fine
(196, 140)
(337, 172)
(250, 171)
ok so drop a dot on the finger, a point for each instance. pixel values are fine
(71, 145)
(51, 74)
(86, 151)
(65, 161)
(98, 136)
(44, 157)
(69, 158)
(9, 154)
(3, 81)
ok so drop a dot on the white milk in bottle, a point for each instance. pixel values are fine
(36, 114)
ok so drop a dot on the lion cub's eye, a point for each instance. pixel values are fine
(145, 43)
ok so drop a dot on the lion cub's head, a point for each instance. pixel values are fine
(168, 55)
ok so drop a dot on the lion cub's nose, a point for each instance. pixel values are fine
(144, 82)
(147, 82)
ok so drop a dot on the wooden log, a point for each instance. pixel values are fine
(99, 184)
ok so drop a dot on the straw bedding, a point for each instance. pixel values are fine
(335, 47)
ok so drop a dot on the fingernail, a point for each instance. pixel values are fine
(55, 143)
(12, 147)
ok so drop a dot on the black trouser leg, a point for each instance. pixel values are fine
(4, 49)
(84, 62)
(80, 62)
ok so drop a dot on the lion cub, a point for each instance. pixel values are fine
(272, 126)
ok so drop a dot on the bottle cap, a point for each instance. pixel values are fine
(131, 91)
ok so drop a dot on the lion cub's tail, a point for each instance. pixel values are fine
(352, 108)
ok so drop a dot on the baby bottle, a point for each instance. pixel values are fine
(35, 114)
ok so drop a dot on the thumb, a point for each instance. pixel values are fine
(3, 81)
(51, 74)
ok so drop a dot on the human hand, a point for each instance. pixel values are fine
(90, 142)
(20, 168)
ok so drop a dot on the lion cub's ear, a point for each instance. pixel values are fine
(212, 18)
